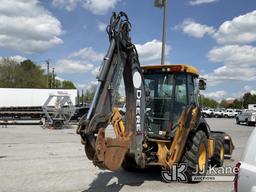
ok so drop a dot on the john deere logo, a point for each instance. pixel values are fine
(136, 80)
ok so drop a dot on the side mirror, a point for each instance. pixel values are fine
(202, 84)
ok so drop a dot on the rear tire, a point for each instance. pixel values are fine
(237, 121)
(196, 155)
(219, 152)
(58, 124)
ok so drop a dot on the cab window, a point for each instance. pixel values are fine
(180, 92)
(191, 90)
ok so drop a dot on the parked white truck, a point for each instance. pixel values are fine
(218, 113)
(247, 116)
(252, 107)
(230, 113)
(207, 112)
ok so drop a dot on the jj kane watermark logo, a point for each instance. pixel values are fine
(177, 172)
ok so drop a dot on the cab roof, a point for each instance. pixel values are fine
(172, 68)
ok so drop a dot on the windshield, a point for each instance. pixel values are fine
(166, 98)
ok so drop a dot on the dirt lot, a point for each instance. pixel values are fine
(36, 159)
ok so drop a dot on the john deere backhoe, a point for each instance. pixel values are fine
(162, 125)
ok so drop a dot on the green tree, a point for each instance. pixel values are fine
(89, 94)
(237, 104)
(223, 104)
(58, 83)
(30, 75)
(21, 75)
(27, 75)
(68, 85)
(8, 73)
(207, 102)
(248, 98)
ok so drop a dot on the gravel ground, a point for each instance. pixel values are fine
(36, 159)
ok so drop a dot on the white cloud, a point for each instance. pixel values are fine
(16, 58)
(59, 78)
(199, 2)
(91, 85)
(234, 55)
(102, 26)
(151, 51)
(239, 64)
(240, 30)
(69, 5)
(97, 7)
(227, 74)
(247, 88)
(87, 54)
(96, 71)
(194, 29)
(72, 66)
(81, 61)
(28, 27)
(238, 60)
(87, 86)
(218, 95)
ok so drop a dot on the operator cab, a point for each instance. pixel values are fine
(169, 90)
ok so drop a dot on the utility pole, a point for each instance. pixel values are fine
(48, 70)
(53, 78)
(82, 97)
(163, 4)
(78, 98)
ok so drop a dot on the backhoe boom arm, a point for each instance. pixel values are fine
(121, 60)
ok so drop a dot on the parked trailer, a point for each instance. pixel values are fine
(26, 104)
(13, 98)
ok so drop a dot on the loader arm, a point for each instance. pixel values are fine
(121, 60)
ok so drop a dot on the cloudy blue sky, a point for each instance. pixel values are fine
(216, 36)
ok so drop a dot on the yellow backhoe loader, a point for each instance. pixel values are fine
(162, 125)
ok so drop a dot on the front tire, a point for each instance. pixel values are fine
(196, 155)
(247, 122)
